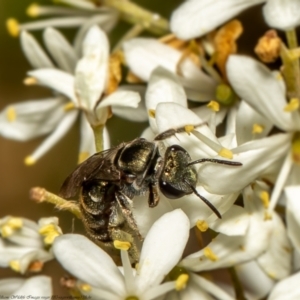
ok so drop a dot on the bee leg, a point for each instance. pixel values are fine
(171, 132)
(125, 206)
(120, 235)
(153, 199)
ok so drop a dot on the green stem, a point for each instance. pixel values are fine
(238, 288)
(291, 72)
(291, 37)
(39, 195)
(135, 14)
(98, 134)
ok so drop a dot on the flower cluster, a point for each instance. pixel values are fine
(233, 232)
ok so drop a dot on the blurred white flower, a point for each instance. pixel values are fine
(36, 286)
(77, 13)
(25, 245)
(195, 18)
(82, 91)
(100, 278)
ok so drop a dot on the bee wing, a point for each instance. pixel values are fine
(100, 166)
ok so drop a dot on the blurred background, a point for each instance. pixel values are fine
(51, 170)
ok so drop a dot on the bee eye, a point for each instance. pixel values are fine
(170, 191)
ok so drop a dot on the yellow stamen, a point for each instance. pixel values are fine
(11, 114)
(189, 128)
(30, 81)
(181, 282)
(83, 156)
(6, 231)
(272, 275)
(36, 266)
(225, 153)
(50, 232)
(29, 161)
(10, 226)
(265, 198)
(257, 128)
(69, 106)
(202, 225)
(85, 287)
(151, 113)
(121, 245)
(292, 105)
(296, 149)
(208, 253)
(132, 298)
(268, 216)
(15, 265)
(13, 27)
(213, 105)
(33, 10)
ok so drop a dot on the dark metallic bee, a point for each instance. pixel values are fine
(110, 179)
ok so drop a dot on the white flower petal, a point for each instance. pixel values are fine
(233, 222)
(37, 286)
(138, 114)
(87, 138)
(60, 49)
(92, 70)
(292, 214)
(34, 52)
(163, 87)
(10, 285)
(256, 283)
(162, 249)
(197, 210)
(256, 85)
(281, 14)
(287, 289)
(106, 21)
(172, 115)
(31, 119)
(94, 267)
(210, 287)
(277, 260)
(62, 128)
(246, 118)
(144, 55)
(145, 216)
(195, 18)
(121, 98)
(57, 80)
(256, 156)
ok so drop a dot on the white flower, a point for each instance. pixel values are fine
(37, 286)
(81, 13)
(265, 240)
(23, 243)
(55, 116)
(286, 289)
(265, 92)
(161, 251)
(195, 18)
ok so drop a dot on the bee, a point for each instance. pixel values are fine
(109, 180)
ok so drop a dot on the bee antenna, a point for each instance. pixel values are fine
(217, 213)
(216, 161)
